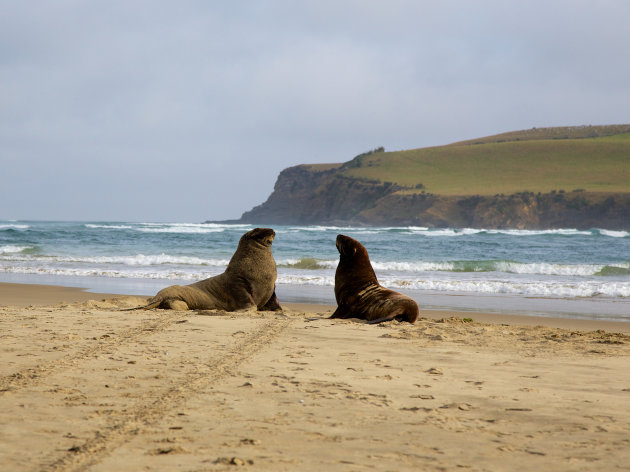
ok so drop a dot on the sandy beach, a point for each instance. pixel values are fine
(86, 386)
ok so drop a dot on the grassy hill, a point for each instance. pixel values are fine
(570, 177)
(590, 158)
(559, 132)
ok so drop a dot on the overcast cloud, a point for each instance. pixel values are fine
(187, 111)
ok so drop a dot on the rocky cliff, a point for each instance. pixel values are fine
(311, 194)
(306, 195)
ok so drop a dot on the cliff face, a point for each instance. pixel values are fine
(580, 210)
(305, 195)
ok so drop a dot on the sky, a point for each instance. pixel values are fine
(187, 111)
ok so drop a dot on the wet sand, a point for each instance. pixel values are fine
(85, 386)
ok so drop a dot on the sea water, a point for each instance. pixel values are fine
(562, 272)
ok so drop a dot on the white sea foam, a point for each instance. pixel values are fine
(13, 226)
(538, 268)
(182, 228)
(449, 232)
(95, 226)
(13, 253)
(327, 281)
(531, 288)
(528, 232)
(329, 264)
(613, 234)
(149, 260)
(321, 228)
(321, 264)
(114, 273)
(414, 266)
(437, 232)
(10, 249)
(544, 288)
(420, 230)
(543, 268)
(205, 225)
(169, 227)
(134, 260)
(189, 227)
(445, 232)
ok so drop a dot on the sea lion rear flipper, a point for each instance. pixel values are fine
(382, 320)
(408, 312)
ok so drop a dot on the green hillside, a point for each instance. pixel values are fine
(537, 160)
(558, 132)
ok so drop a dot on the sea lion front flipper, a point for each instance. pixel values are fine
(272, 304)
(239, 295)
(244, 302)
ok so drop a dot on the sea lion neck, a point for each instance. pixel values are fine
(254, 249)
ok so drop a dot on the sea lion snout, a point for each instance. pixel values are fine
(345, 245)
(264, 236)
(268, 240)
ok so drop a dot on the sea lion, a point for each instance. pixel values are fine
(248, 281)
(358, 293)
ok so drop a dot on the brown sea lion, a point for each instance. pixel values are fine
(248, 282)
(358, 293)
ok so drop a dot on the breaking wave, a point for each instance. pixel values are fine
(135, 260)
(11, 249)
(510, 267)
(25, 254)
(185, 228)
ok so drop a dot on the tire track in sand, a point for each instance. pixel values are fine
(34, 375)
(119, 430)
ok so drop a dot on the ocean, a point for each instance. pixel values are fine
(562, 272)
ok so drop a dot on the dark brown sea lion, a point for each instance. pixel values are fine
(358, 293)
(248, 282)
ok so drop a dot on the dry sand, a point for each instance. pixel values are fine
(85, 386)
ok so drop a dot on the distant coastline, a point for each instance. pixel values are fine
(543, 178)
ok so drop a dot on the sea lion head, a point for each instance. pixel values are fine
(347, 246)
(353, 257)
(259, 236)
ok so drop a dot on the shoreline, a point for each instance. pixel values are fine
(594, 308)
(22, 295)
